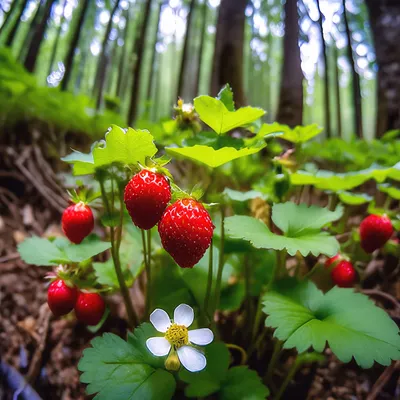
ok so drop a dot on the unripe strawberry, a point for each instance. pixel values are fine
(146, 196)
(77, 222)
(332, 260)
(344, 275)
(186, 231)
(375, 231)
(89, 308)
(61, 298)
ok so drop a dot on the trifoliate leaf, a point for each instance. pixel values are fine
(237, 383)
(41, 251)
(121, 147)
(216, 115)
(226, 96)
(211, 157)
(349, 322)
(327, 180)
(391, 191)
(119, 370)
(299, 134)
(354, 199)
(301, 226)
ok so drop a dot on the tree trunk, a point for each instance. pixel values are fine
(154, 56)
(37, 38)
(11, 35)
(337, 92)
(203, 34)
(384, 17)
(290, 109)
(31, 31)
(55, 45)
(358, 128)
(139, 51)
(122, 60)
(327, 105)
(7, 18)
(103, 55)
(267, 72)
(228, 52)
(185, 53)
(73, 45)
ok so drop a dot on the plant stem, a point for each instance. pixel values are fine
(132, 319)
(274, 358)
(289, 377)
(247, 276)
(387, 203)
(241, 350)
(220, 263)
(146, 266)
(148, 272)
(209, 282)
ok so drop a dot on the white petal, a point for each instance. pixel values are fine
(160, 320)
(191, 358)
(183, 315)
(159, 346)
(201, 336)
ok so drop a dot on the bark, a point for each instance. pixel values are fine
(356, 89)
(37, 38)
(203, 34)
(154, 55)
(73, 45)
(185, 53)
(137, 69)
(228, 52)
(55, 45)
(384, 19)
(327, 105)
(337, 93)
(290, 109)
(99, 77)
(11, 35)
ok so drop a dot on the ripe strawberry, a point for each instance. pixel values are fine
(61, 298)
(89, 308)
(146, 196)
(344, 275)
(186, 230)
(77, 222)
(332, 260)
(375, 231)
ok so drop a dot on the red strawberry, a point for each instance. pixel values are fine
(146, 196)
(344, 275)
(375, 231)
(61, 298)
(77, 222)
(186, 230)
(332, 260)
(89, 308)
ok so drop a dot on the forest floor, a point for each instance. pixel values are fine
(47, 350)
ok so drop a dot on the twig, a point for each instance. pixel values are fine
(9, 257)
(382, 380)
(387, 296)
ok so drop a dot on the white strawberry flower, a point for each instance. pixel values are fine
(178, 339)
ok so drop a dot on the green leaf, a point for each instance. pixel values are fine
(299, 134)
(130, 147)
(41, 251)
(119, 370)
(300, 224)
(217, 116)
(236, 195)
(327, 180)
(354, 199)
(226, 96)
(391, 191)
(237, 383)
(211, 157)
(352, 325)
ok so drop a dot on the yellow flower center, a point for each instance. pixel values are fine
(177, 335)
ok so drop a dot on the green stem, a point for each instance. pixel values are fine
(148, 271)
(274, 358)
(289, 377)
(146, 266)
(209, 282)
(220, 263)
(387, 203)
(247, 276)
(132, 319)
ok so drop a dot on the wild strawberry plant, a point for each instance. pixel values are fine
(215, 271)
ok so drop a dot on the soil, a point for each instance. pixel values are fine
(47, 350)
